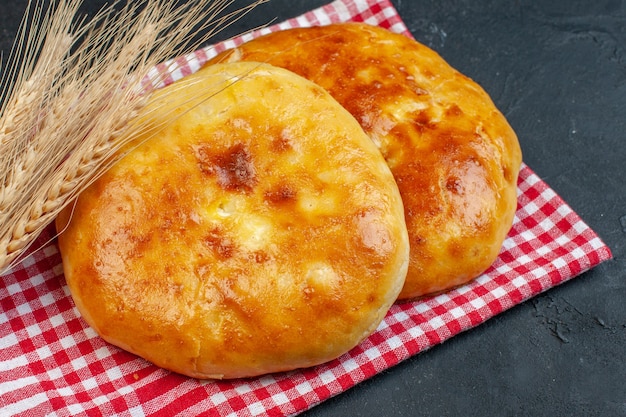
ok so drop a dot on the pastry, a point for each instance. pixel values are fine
(260, 230)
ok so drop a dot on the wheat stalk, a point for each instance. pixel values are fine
(70, 96)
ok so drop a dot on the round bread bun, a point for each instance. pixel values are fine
(259, 231)
(454, 156)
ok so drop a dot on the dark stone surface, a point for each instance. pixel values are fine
(557, 70)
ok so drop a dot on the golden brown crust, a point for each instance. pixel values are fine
(261, 231)
(453, 154)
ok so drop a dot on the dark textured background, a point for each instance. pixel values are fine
(557, 70)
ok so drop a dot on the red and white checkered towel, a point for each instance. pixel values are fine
(52, 363)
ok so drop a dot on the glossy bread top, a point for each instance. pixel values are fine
(259, 231)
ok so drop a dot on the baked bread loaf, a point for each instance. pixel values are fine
(259, 231)
(453, 154)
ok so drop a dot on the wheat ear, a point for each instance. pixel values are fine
(67, 113)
